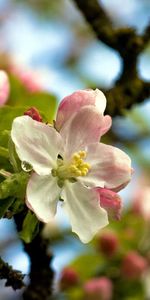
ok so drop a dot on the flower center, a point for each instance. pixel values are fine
(70, 170)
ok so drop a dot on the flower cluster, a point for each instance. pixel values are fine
(71, 165)
(116, 268)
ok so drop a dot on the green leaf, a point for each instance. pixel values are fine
(4, 152)
(7, 114)
(13, 157)
(75, 293)
(15, 185)
(30, 227)
(4, 137)
(83, 266)
(5, 164)
(5, 204)
(12, 193)
(20, 96)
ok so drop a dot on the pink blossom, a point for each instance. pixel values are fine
(98, 289)
(108, 243)
(74, 102)
(133, 265)
(141, 201)
(4, 87)
(28, 78)
(111, 202)
(69, 278)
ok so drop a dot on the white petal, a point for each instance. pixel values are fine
(110, 167)
(100, 102)
(83, 208)
(36, 143)
(107, 122)
(82, 128)
(42, 196)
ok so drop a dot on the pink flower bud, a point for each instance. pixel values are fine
(74, 102)
(98, 289)
(34, 114)
(141, 202)
(108, 243)
(4, 88)
(111, 202)
(30, 82)
(133, 265)
(28, 78)
(69, 278)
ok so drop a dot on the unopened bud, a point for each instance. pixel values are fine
(4, 87)
(98, 289)
(111, 202)
(69, 278)
(133, 265)
(108, 243)
(34, 114)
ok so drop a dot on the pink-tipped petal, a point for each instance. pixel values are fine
(4, 87)
(42, 196)
(111, 202)
(74, 102)
(82, 129)
(106, 124)
(110, 167)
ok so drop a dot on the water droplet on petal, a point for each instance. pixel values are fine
(26, 166)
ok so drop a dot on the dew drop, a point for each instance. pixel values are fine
(26, 166)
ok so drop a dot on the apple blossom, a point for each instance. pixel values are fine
(29, 78)
(98, 289)
(108, 243)
(141, 202)
(133, 265)
(4, 87)
(69, 278)
(81, 98)
(68, 165)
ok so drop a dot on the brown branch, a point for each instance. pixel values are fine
(13, 278)
(126, 94)
(41, 273)
(129, 88)
(122, 39)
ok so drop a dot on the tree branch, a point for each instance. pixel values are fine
(41, 274)
(129, 88)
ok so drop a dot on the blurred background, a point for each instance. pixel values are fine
(48, 47)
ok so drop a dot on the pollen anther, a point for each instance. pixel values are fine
(75, 168)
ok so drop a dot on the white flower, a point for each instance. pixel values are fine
(67, 165)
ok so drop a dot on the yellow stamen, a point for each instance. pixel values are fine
(82, 154)
(76, 167)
